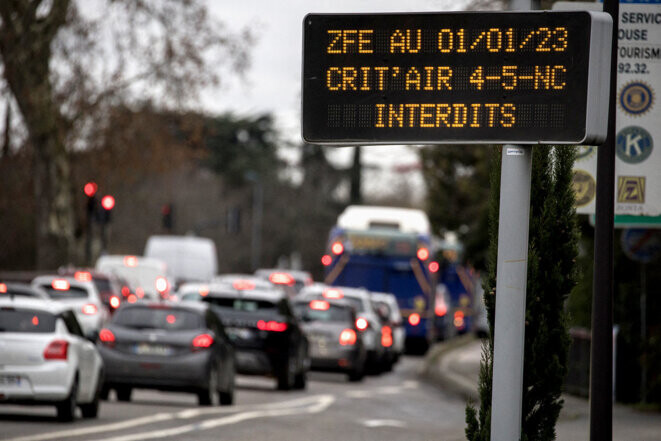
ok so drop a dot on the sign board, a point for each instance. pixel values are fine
(469, 77)
(641, 245)
(638, 132)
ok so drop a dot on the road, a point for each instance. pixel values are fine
(392, 406)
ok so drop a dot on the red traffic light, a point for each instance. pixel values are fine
(108, 202)
(90, 189)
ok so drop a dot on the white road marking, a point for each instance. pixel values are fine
(151, 419)
(318, 403)
(383, 390)
(384, 423)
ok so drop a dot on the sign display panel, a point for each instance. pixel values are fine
(495, 77)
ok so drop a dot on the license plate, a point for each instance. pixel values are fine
(239, 333)
(10, 380)
(147, 349)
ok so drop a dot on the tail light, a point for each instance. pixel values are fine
(131, 261)
(140, 292)
(348, 337)
(107, 337)
(114, 302)
(326, 260)
(61, 285)
(271, 325)
(204, 291)
(56, 350)
(423, 253)
(125, 291)
(131, 298)
(3, 288)
(161, 284)
(414, 319)
(333, 293)
(319, 305)
(89, 309)
(362, 323)
(282, 279)
(441, 307)
(386, 336)
(243, 285)
(459, 321)
(337, 248)
(434, 267)
(202, 341)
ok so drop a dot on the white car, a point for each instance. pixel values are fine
(80, 296)
(45, 359)
(149, 277)
(395, 320)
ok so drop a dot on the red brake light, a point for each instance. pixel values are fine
(204, 291)
(125, 291)
(326, 260)
(56, 350)
(202, 341)
(108, 202)
(35, 320)
(414, 319)
(60, 285)
(348, 337)
(83, 276)
(106, 336)
(459, 321)
(161, 284)
(319, 305)
(434, 267)
(131, 298)
(114, 302)
(271, 325)
(90, 189)
(130, 261)
(337, 248)
(243, 285)
(89, 309)
(3, 288)
(140, 292)
(362, 323)
(171, 319)
(423, 254)
(386, 336)
(333, 294)
(282, 279)
(441, 309)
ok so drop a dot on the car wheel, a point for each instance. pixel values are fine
(226, 397)
(91, 410)
(66, 409)
(300, 381)
(357, 373)
(123, 393)
(286, 376)
(105, 392)
(205, 396)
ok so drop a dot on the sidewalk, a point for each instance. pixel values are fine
(455, 366)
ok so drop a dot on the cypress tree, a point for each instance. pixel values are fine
(552, 274)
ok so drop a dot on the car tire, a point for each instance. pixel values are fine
(91, 410)
(205, 396)
(123, 393)
(300, 380)
(357, 374)
(286, 375)
(105, 392)
(66, 409)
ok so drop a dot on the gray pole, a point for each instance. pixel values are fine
(643, 330)
(511, 282)
(257, 209)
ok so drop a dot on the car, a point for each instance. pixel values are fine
(247, 280)
(336, 345)
(11, 290)
(266, 333)
(393, 335)
(46, 359)
(82, 297)
(109, 286)
(168, 346)
(148, 277)
(295, 279)
(189, 258)
(444, 313)
(367, 322)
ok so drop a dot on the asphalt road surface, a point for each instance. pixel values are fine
(392, 406)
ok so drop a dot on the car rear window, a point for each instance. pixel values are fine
(170, 319)
(21, 292)
(72, 293)
(334, 313)
(102, 285)
(26, 320)
(356, 302)
(246, 305)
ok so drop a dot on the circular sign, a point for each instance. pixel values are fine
(584, 186)
(641, 245)
(634, 144)
(636, 98)
(585, 152)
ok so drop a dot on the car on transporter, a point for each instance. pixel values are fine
(261, 323)
(45, 358)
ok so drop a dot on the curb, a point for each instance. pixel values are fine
(435, 368)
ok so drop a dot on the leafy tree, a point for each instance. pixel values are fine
(66, 62)
(552, 274)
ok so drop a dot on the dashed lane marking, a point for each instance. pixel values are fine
(384, 423)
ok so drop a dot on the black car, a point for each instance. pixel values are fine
(171, 347)
(336, 345)
(266, 334)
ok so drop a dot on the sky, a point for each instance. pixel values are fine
(273, 82)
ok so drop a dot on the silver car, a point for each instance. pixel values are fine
(46, 359)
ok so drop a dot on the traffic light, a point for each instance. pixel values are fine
(166, 219)
(108, 203)
(90, 189)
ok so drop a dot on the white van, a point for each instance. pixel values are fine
(188, 258)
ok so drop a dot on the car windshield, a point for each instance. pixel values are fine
(245, 305)
(26, 320)
(334, 313)
(73, 292)
(169, 319)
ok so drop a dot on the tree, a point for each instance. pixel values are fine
(65, 63)
(552, 274)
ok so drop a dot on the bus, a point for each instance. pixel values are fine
(386, 249)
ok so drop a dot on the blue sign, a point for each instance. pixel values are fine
(634, 144)
(636, 98)
(641, 245)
